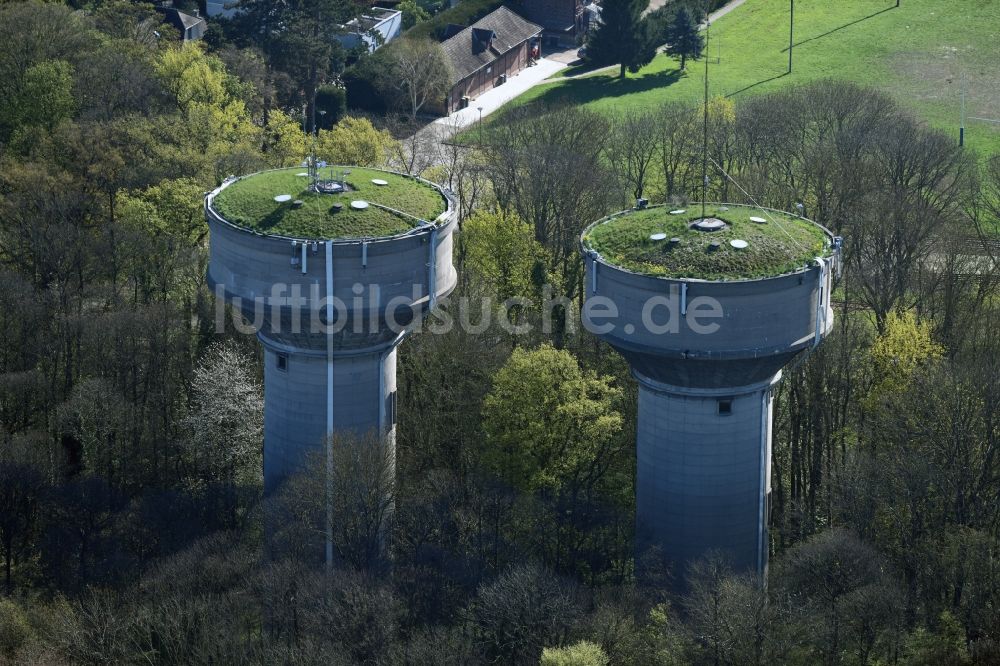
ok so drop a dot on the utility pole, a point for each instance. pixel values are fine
(704, 146)
(791, 32)
(312, 108)
(961, 122)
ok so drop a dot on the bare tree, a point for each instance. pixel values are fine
(344, 499)
(991, 202)
(732, 616)
(547, 166)
(919, 182)
(525, 609)
(419, 73)
(863, 167)
(838, 582)
(417, 147)
(21, 491)
(462, 170)
(96, 416)
(676, 139)
(631, 149)
(805, 144)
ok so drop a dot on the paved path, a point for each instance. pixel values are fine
(494, 98)
(443, 129)
(723, 10)
(717, 14)
(567, 55)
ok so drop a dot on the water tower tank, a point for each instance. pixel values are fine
(707, 310)
(334, 267)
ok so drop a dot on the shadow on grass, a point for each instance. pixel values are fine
(806, 41)
(573, 71)
(754, 85)
(846, 25)
(590, 89)
(274, 217)
(277, 215)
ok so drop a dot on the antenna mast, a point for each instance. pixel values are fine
(704, 147)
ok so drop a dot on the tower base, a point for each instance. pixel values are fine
(703, 474)
(297, 397)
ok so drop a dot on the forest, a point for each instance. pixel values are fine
(133, 528)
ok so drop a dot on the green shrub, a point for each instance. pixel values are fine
(14, 628)
(583, 653)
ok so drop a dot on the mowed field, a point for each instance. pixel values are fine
(923, 53)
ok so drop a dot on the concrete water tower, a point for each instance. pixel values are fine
(707, 310)
(335, 266)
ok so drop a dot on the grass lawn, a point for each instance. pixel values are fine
(920, 53)
(781, 245)
(250, 203)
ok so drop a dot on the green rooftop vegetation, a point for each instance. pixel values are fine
(250, 203)
(782, 244)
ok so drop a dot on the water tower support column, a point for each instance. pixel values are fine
(703, 472)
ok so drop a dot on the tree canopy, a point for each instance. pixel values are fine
(496, 525)
(623, 37)
(684, 36)
(355, 141)
(546, 420)
(416, 73)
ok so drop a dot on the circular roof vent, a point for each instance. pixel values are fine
(329, 187)
(379, 181)
(359, 205)
(282, 198)
(679, 211)
(708, 224)
(657, 237)
(758, 220)
(739, 244)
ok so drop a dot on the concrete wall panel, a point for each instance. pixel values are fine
(699, 477)
(295, 406)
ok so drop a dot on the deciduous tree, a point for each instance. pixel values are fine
(522, 611)
(631, 150)
(21, 492)
(355, 141)
(225, 427)
(583, 653)
(548, 423)
(418, 73)
(501, 250)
